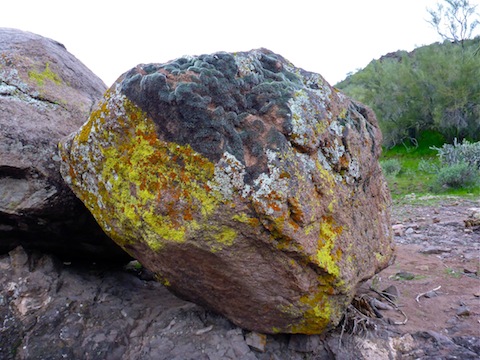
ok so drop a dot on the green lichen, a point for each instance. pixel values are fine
(45, 75)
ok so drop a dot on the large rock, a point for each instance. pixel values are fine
(245, 184)
(45, 94)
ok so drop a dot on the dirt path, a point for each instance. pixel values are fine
(435, 250)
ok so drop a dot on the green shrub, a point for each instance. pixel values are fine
(391, 167)
(465, 152)
(456, 176)
(428, 166)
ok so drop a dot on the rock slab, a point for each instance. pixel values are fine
(247, 185)
(53, 311)
(45, 94)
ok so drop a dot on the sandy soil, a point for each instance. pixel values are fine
(437, 268)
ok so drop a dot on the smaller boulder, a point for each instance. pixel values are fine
(45, 94)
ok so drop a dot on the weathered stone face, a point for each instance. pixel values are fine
(45, 94)
(247, 185)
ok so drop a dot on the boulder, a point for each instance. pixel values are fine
(247, 185)
(45, 94)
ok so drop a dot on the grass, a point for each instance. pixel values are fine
(453, 273)
(410, 179)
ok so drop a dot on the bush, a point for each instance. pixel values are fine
(458, 175)
(391, 167)
(428, 166)
(456, 153)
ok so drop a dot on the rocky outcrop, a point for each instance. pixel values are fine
(245, 184)
(45, 94)
(54, 311)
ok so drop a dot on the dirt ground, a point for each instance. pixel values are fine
(436, 270)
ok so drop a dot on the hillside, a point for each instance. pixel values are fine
(433, 88)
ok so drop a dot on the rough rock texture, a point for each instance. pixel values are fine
(245, 184)
(45, 94)
(54, 311)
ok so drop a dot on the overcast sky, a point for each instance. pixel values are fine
(330, 37)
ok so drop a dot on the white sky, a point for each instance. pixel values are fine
(330, 37)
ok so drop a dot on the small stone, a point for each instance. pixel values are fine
(431, 294)
(435, 220)
(398, 230)
(430, 250)
(304, 343)
(204, 330)
(391, 292)
(463, 311)
(423, 267)
(256, 341)
(409, 231)
(404, 344)
(470, 271)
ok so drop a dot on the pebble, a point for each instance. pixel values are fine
(463, 311)
(431, 294)
(429, 250)
(256, 341)
(204, 330)
(398, 229)
(409, 231)
(391, 292)
(423, 267)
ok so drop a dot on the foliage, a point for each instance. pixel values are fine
(391, 167)
(428, 166)
(420, 166)
(434, 88)
(465, 152)
(456, 21)
(458, 175)
(461, 165)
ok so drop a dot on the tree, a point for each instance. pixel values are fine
(433, 88)
(456, 21)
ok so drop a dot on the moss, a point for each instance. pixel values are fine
(45, 75)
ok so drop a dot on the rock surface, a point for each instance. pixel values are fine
(45, 94)
(54, 311)
(245, 184)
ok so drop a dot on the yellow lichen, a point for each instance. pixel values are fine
(316, 315)
(46, 74)
(326, 243)
(151, 186)
(84, 132)
(245, 219)
(220, 236)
